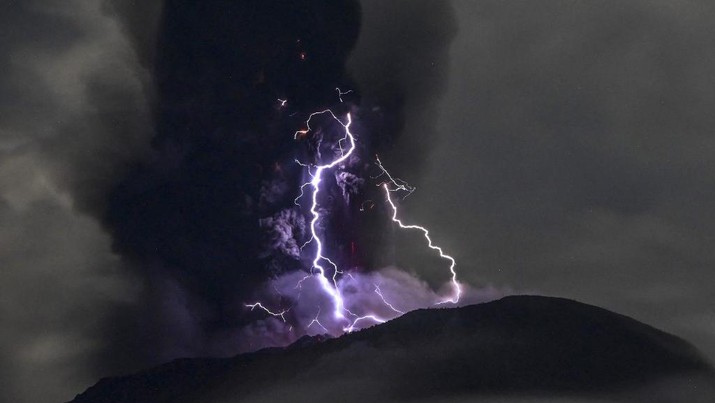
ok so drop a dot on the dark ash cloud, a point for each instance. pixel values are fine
(75, 113)
(197, 217)
(401, 64)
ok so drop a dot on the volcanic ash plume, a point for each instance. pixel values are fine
(324, 293)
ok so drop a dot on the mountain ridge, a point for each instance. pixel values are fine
(514, 346)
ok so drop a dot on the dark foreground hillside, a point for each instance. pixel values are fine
(519, 347)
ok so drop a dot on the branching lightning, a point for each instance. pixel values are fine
(316, 321)
(399, 184)
(268, 311)
(382, 297)
(373, 318)
(302, 192)
(324, 270)
(456, 287)
(341, 93)
(331, 289)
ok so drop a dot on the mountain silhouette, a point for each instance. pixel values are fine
(518, 347)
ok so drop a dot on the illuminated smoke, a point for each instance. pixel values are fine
(382, 297)
(310, 312)
(353, 300)
(283, 231)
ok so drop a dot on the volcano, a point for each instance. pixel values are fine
(518, 347)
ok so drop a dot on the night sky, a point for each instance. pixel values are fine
(558, 147)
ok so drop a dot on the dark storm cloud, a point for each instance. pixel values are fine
(400, 64)
(221, 169)
(73, 92)
(140, 22)
(75, 114)
(55, 295)
(575, 155)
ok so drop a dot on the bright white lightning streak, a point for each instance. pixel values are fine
(299, 284)
(330, 289)
(341, 93)
(302, 187)
(373, 318)
(316, 321)
(382, 297)
(306, 243)
(276, 314)
(307, 130)
(399, 183)
(457, 289)
(301, 193)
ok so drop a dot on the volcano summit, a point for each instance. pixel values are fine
(516, 347)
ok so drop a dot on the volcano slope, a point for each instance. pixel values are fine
(518, 348)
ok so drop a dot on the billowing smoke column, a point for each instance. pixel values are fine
(209, 219)
(347, 294)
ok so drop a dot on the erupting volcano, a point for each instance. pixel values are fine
(335, 153)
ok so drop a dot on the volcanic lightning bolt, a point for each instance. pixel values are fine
(378, 291)
(316, 321)
(324, 270)
(329, 286)
(456, 287)
(400, 185)
(330, 289)
(268, 311)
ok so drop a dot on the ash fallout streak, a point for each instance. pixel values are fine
(331, 285)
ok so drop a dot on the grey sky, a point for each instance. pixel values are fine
(72, 115)
(575, 155)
